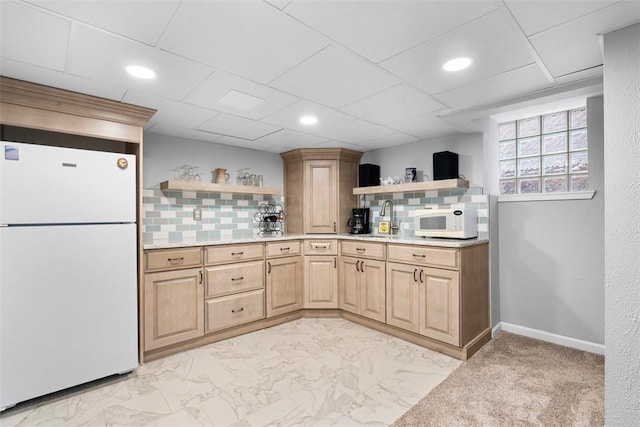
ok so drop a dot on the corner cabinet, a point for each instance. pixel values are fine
(318, 189)
(321, 273)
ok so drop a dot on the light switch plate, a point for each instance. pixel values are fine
(197, 214)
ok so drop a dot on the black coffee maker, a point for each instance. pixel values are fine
(359, 221)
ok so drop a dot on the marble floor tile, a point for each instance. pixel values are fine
(309, 372)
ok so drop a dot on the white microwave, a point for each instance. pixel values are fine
(455, 223)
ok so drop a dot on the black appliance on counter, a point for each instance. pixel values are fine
(368, 175)
(445, 165)
(359, 221)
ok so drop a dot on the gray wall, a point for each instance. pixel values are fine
(552, 255)
(394, 160)
(622, 225)
(163, 153)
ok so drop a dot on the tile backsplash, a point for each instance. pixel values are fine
(168, 215)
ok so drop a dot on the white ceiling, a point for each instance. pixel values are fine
(371, 71)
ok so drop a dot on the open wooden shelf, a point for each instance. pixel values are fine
(218, 188)
(444, 184)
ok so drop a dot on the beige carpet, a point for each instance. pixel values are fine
(517, 381)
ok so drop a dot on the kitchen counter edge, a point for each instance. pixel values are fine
(448, 243)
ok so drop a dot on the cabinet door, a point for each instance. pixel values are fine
(402, 296)
(348, 284)
(372, 289)
(174, 307)
(440, 302)
(321, 196)
(320, 282)
(284, 282)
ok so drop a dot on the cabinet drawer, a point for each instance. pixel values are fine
(321, 247)
(233, 310)
(362, 249)
(169, 259)
(233, 278)
(422, 255)
(232, 253)
(290, 247)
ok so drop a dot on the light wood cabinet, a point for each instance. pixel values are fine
(235, 280)
(440, 293)
(173, 310)
(361, 281)
(320, 274)
(318, 189)
(284, 278)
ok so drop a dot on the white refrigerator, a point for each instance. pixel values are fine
(68, 268)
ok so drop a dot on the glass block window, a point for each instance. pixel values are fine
(544, 154)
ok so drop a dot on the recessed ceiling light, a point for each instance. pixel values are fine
(457, 64)
(140, 72)
(308, 120)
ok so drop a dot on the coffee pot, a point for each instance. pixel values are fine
(359, 221)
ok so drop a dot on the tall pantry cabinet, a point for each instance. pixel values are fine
(318, 189)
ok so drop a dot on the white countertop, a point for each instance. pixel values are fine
(448, 243)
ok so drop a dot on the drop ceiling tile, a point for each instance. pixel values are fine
(238, 127)
(181, 132)
(379, 29)
(423, 126)
(391, 140)
(490, 41)
(218, 84)
(574, 46)
(140, 20)
(536, 16)
(497, 88)
(289, 117)
(170, 112)
(103, 56)
(292, 139)
(243, 143)
(251, 39)
(59, 79)
(335, 77)
(396, 103)
(280, 4)
(33, 36)
(356, 131)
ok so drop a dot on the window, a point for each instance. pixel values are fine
(545, 154)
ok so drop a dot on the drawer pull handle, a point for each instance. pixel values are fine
(284, 249)
(419, 255)
(268, 267)
(421, 273)
(237, 310)
(335, 262)
(235, 279)
(415, 270)
(237, 253)
(177, 260)
(320, 247)
(358, 265)
(361, 249)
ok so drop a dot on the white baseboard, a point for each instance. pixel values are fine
(548, 337)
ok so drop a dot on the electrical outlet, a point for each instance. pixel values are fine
(197, 214)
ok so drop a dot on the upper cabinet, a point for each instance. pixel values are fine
(318, 189)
